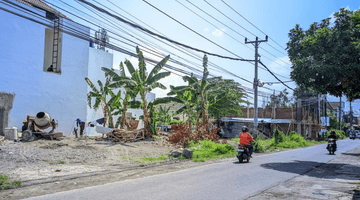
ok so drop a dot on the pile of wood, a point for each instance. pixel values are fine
(121, 135)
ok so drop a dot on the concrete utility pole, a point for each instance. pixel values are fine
(351, 118)
(340, 115)
(256, 80)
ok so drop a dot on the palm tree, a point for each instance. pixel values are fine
(141, 83)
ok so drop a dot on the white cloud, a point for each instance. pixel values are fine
(332, 20)
(206, 29)
(218, 32)
(278, 66)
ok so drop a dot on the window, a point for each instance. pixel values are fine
(52, 50)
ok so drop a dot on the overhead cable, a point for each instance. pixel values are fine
(160, 36)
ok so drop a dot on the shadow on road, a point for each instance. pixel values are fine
(352, 154)
(322, 170)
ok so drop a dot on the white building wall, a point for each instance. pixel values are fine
(97, 60)
(21, 65)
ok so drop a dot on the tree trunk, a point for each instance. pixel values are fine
(123, 116)
(189, 122)
(197, 120)
(146, 113)
(205, 119)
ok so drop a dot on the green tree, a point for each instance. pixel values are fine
(281, 100)
(143, 84)
(226, 99)
(202, 88)
(325, 58)
(125, 82)
(183, 96)
(101, 99)
(163, 114)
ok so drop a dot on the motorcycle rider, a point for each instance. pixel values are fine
(245, 139)
(333, 136)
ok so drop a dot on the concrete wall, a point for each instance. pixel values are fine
(21, 64)
(6, 104)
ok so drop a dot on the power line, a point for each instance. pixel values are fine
(162, 37)
(229, 28)
(244, 29)
(275, 76)
(251, 23)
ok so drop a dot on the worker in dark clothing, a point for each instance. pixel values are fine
(333, 136)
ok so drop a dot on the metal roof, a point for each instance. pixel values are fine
(43, 6)
(260, 120)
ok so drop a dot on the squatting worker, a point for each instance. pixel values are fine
(245, 139)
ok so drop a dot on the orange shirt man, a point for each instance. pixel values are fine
(245, 138)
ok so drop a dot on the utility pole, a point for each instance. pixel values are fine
(351, 118)
(340, 115)
(256, 80)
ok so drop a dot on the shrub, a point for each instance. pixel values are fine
(207, 149)
(4, 183)
(176, 122)
(279, 136)
(340, 134)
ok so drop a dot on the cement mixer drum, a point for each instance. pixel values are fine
(42, 120)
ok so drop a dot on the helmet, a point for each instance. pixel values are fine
(332, 132)
(244, 129)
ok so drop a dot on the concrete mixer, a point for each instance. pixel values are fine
(34, 127)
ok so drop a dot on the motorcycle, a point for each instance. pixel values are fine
(331, 146)
(243, 153)
(352, 135)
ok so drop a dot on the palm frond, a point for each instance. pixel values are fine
(114, 76)
(142, 65)
(130, 67)
(157, 68)
(166, 100)
(122, 70)
(157, 77)
(92, 86)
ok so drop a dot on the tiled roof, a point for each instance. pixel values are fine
(41, 5)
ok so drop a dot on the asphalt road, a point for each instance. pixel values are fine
(225, 180)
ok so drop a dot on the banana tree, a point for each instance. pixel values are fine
(202, 88)
(101, 99)
(184, 96)
(130, 93)
(143, 84)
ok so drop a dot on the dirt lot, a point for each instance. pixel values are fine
(86, 162)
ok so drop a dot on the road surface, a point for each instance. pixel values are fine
(225, 180)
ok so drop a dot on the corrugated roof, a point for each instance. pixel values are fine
(41, 5)
(265, 120)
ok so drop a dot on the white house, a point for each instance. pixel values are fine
(44, 64)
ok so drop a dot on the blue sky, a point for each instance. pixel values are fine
(275, 18)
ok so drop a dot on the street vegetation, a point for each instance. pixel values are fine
(281, 141)
(5, 184)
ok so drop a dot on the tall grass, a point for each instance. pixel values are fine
(281, 141)
(206, 150)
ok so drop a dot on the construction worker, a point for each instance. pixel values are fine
(245, 139)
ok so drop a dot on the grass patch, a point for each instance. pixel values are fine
(60, 162)
(281, 141)
(5, 184)
(156, 137)
(207, 150)
(151, 159)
